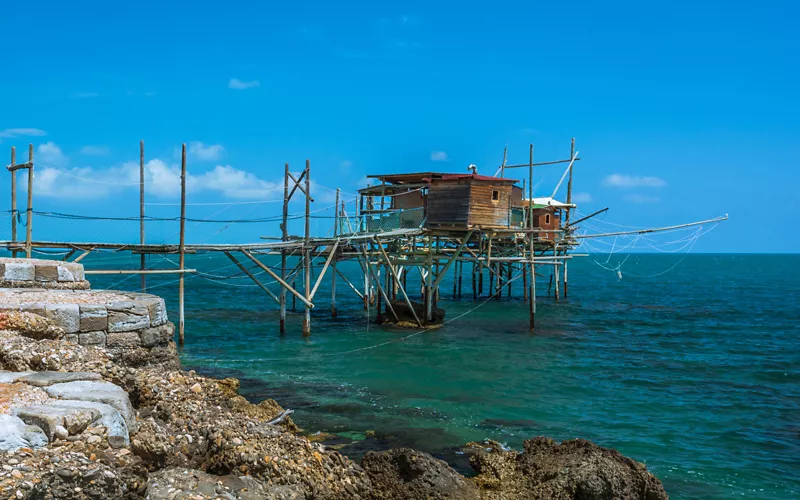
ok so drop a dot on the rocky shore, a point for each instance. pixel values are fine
(82, 420)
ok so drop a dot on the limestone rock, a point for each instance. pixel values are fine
(406, 473)
(99, 392)
(126, 316)
(109, 418)
(67, 316)
(94, 317)
(15, 434)
(19, 271)
(44, 379)
(575, 469)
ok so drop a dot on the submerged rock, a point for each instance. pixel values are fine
(406, 473)
(575, 469)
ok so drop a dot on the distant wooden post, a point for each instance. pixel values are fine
(284, 238)
(141, 212)
(556, 270)
(307, 317)
(29, 217)
(13, 200)
(333, 263)
(474, 282)
(531, 265)
(569, 212)
(182, 247)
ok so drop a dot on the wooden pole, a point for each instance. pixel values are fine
(429, 283)
(503, 166)
(29, 215)
(182, 247)
(569, 212)
(307, 317)
(474, 282)
(531, 265)
(335, 235)
(141, 213)
(460, 275)
(284, 237)
(508, 270)
(13, 200)
(402, 288)
(524, 269)
(556, 271)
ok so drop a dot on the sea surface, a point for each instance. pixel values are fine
(690, 364)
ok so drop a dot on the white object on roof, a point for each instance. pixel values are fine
(549, 202)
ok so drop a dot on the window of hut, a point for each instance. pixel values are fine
(547, 219)
(495, 196)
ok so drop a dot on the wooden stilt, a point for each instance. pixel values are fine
(29, 214)
(474, 281)
(182, 247)
(460, 276)
(524, 268)
(13, 201)
(284, 237)
(509, 268)
(307, 248)
(143, 262)
(333, 273)
(556, 271)
(531, 250)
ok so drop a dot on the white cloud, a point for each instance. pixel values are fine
(438, 156)
(202, 152)
(237, 84)
(94, 151)
(50, 153)
(161, 180)
(628, 181)
(640, 198)
(581, 197)
(21, 132)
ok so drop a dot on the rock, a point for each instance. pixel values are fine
(11, 377)
(157, 335)
(406, 473)
(123, 340)
(92, 339)
(15, 434)
(126, 316)
(66, 316)
(61, 432)
(99, 392)
(44, 379)
(196, 388)
(46, 273)
(575, 469)
(94, 439)
(94, 317)
(19, 271)
(109, 418)
(406, 317)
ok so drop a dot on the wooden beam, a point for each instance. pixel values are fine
(278, 279)
(397, 281)
(451, 260)
(252, 277)
(324, 269)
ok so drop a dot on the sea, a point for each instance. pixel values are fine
(687, 363)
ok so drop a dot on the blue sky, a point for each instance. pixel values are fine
(681, 111)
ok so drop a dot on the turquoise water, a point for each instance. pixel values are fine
(695, 372)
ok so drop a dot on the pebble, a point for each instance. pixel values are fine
(94, 439)
(13, 461)
(16, 474)
(196, 388)
(61, 432)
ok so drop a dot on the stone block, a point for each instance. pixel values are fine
(124, 340)
(67, 316)
(65, 274)
(92, 338)
(93, 318)
(158, 311)
(72, 337)
(44, 379)
(46, 273)
(156, 336)
(19, 271)
(34, 308)
(127, 316)
(98, 392)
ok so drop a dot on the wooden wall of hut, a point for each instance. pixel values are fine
(408, 201)
(448, 204)
(490, 204)
(547, 218)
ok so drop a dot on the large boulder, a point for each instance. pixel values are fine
(405, 473)
(572, 470)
